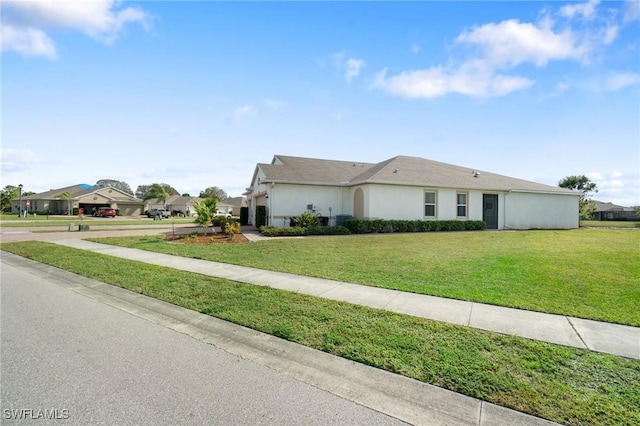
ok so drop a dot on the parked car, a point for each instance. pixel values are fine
(160, 213)
(105, 212)
(221, 214)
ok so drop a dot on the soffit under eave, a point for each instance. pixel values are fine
(462, 187)
(307, 183)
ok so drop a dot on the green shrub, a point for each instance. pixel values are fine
(307, 220)
(328, 230)
(261, 216)
(295, 231)
(231, 228)
(220, 221)
(361, 226)
(274, 231)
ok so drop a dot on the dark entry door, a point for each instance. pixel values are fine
(490, 210)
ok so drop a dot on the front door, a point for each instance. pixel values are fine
(490, 210)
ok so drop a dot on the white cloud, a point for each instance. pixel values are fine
(26, 41)
(15, 160)
(631, 11)
(31, 20)
(497, 48)
(511, 43)
(610, 34)
(437, 81)
(620, 80)
(241, 112)
(353, 67)
(587, 9)
(618, 187)
(350, 66)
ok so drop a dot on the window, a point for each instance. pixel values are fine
(430, 204)
(461, 204)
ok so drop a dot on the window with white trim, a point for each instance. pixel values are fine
(461, 204)
(430, 205)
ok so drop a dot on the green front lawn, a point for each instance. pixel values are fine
(566, 385)
(587, 273)
(609, 224)
(12, 220)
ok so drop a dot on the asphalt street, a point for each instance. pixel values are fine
(78, 361)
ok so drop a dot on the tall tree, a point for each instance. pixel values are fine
(584, 185)
(67, 197)
(157, 191)
(143, 190)
(8, 193)
(214, 192)
(121, 185)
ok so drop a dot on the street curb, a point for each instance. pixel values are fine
(405, 399)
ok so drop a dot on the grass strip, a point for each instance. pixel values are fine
(610, 223)
(586, 273)
(562, 384)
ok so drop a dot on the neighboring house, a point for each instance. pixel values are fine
(82, 196)
(610, 211)
(174, 203)
(232, 205)
(407, 188)
(184, 205)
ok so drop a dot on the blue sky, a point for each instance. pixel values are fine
(194, 94)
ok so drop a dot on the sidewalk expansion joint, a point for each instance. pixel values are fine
(390, 301)
(578, 334)
(470, 315)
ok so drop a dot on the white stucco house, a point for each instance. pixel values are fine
(407, 188)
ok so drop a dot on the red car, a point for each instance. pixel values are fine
(105, 212)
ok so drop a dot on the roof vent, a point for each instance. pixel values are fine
(395, 170)
(476, 174)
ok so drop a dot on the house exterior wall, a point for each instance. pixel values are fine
(407, 203)
(540, 211)
(288, 200)
(515, 210)
(129, 210)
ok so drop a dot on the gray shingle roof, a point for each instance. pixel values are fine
(400, 170)
(74, 190)
(602, 206)
(78, 191)
(311, 170)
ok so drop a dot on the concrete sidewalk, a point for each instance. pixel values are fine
(580, 333)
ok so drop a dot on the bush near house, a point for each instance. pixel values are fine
(306, 225)
(261, 216)
(296, 231)
(361, 226)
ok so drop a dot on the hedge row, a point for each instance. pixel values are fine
(292, 231)
(361, 226)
